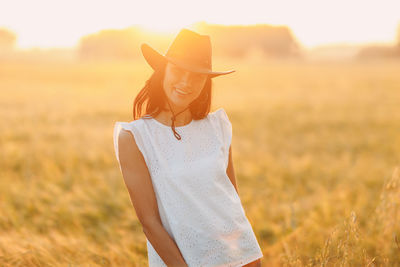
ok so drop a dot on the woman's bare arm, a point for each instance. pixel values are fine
(230, 171)
(138, 182)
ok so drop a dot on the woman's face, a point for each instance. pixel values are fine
(182, 86)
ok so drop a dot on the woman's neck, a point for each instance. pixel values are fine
(183, 118)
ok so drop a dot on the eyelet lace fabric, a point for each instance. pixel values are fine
(198, 205)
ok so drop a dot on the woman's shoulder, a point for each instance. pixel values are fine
(124, 129)
(128, 134)
(219, 115)
(128, 125)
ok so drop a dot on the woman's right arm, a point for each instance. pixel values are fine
(138, 182)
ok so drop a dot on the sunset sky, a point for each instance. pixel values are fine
(52, 23)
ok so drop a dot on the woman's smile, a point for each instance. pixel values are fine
(181, 92)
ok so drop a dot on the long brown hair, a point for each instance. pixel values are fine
(151, 98)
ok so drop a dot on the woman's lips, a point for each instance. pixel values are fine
(181, 92)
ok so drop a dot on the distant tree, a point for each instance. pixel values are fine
(107, 44)
(119, 44)
(7, 40)
(237, 41)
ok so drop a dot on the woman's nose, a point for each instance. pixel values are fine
(186, 79)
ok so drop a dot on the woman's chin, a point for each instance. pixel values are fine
(178, 102)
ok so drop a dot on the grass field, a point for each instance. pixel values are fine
(316, 149)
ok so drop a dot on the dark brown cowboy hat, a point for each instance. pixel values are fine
(189, 50)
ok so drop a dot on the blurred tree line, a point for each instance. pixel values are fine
(227, 41)
(381, 51)
(259, 40)
(7, 40)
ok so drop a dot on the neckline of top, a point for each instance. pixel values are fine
(176, 127)
(182, 126)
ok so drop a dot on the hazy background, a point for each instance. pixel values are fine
(314, 105)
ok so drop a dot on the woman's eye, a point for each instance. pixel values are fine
(194, 76)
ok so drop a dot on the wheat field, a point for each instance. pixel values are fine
(316, 150)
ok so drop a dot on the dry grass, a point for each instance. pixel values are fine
(315, 146)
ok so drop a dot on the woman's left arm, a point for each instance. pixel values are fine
(230, 171)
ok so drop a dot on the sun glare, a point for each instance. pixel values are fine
(313, 22)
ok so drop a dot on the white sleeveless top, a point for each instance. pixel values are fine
(198, 205)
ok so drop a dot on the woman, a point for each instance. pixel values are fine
(176, 161)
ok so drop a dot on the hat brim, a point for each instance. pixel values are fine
(157, 60)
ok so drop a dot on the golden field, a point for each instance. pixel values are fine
(316, 149)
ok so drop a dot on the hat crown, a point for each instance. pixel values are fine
(191, 48)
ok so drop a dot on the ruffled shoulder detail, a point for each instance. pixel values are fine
(134, 129)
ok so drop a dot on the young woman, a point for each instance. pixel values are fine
(176, 161)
